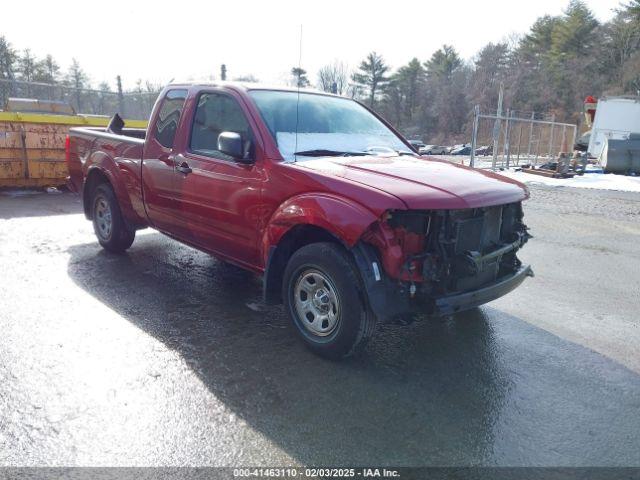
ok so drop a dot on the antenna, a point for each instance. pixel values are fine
(300, 51)
(299, 76)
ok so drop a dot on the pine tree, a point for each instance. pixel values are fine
(299, 77)
(48, 70)
(535, 47)
(7, 66)
(633, 10)
(443, 62)
(409, 80)
(77, 79)
(371, 76)
(27, 66)
(573, 35)
(8, 59)
(491, 67)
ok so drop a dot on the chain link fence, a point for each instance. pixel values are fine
(135, 105)
(518, 137)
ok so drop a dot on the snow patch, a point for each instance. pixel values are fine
(595, 180)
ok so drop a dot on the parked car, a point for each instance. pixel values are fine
(485, 150)
(417, 144)
(463, 150)
(434, 150)
(347, 225)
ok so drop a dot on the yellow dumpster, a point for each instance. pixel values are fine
(32, 146)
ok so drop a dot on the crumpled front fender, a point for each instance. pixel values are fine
(342, 218)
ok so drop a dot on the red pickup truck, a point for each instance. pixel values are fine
(346, 223)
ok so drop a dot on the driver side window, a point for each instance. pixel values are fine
(217, 113)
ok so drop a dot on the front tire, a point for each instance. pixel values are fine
(324, 298)
(108, 224)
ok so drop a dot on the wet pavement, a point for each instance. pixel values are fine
(165, 356)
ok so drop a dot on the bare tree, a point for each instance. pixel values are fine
(334, 78)
(246, 78)
(631, 75)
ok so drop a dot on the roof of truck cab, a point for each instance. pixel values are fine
(246, 86)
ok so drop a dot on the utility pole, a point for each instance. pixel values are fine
(120, 97)
(496, 127)
(519, 142)
(533, 117)
(553, 119)
(507, 137)
(474, 135)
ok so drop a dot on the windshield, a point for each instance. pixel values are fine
(326, 126)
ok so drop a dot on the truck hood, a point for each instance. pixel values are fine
(424, 183)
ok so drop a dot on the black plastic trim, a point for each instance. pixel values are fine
(464, 301)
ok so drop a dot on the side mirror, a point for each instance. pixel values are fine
(230, 143)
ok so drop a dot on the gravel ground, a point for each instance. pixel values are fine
(165, 356)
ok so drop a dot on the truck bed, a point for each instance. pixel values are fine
(113, 155)
(127, 135)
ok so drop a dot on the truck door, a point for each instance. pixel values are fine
(158, 168)
(218, 197)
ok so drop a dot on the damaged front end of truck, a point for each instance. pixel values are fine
(440, 262)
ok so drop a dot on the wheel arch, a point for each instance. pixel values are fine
(293, 240)
(104, 169)
(303, 220)
(95, 177)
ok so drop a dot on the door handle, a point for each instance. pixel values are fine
(184, 168)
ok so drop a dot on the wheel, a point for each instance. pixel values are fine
(324, 298)
(109, 226)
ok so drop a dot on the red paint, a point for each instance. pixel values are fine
(590, 104)
(238, 211)
(67, 149)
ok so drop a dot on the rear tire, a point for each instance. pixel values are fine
(108, 224)
(324, 298)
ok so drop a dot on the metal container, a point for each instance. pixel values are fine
(32, 146)
(621, 156)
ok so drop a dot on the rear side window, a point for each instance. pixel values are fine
(217, 113)
(169, 116)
